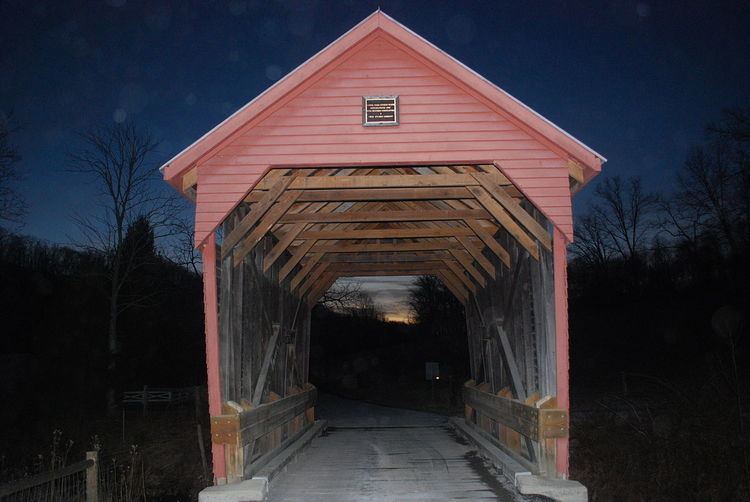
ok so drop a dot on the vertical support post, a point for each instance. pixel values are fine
(144, 400)
(559, 248)
(211, 312)
(92, 477)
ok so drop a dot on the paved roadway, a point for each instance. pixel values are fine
(375, 453)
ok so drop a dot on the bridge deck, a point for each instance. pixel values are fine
(378, 453)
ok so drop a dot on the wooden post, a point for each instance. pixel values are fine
(267, 361)
(548, 447)
(202, 449)
(197, 403)
(144, 400)
(212, 349)
(561, 342)
(92, 477)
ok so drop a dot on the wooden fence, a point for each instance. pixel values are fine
(524, 430)
(253, 436)
(77, 482)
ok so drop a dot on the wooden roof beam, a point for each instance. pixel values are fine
(385, 216)
(311, 279)
(324, 284)
(359, 267)
(518, 212)
(386, 233)
(386, 257)
(453, 285)
(383, 181)
(263, 227)
(576, 171)
(190, 179)
(397, 247)
(506, 221)
(381, 194)
(257, 212)
(306, 270)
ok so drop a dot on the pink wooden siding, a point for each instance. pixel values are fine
(442, 122)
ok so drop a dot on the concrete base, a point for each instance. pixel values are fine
(506, 464)
(280, 461)
(256, 489)
(250, 490)
(562, 490)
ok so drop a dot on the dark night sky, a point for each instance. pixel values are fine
(637, 81)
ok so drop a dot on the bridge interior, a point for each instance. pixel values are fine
(300, 229)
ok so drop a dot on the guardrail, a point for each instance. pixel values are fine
(72, 483)
(157, 395)
(253, 436)
(524, 430)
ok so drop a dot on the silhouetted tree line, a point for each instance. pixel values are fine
(54, 347)
(440, 324)
(650, 270)
(353, 347)
(348, 331)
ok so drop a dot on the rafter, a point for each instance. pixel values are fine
(489, 241)
(256, 213)
(396, 247)
(518, 212)
(459, 272)
(575, 171)
(386, 257)
(464, 258)
(385, 216)
(358, 267)
(299, 253)
(331, 220)
(386, 233)
(506, 221)
(289, 237)
(451, 282)
(476, 253)
(324, 284)
(384, 181)
(268, 221)
(319, 269)
(306, 269)
(190, 179)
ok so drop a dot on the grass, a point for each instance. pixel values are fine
(154, 457)
(680, 449)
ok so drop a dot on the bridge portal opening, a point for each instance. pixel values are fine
(466, 227)
(397, 341)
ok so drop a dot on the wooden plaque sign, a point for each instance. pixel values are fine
(379, 110)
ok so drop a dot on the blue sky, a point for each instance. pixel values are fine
(635, 80)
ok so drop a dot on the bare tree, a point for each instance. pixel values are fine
(709, 191)
(362, 305)
(625, 214)
(680, 222)
(117, 161)
(341, 296)
(591, 242)
(182, 250)
(12, 206)
(734, 125)
(712, 199)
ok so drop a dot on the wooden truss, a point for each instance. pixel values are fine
(437, 220)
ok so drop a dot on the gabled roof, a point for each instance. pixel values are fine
(265, 103)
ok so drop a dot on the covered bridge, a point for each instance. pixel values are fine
(383, 155)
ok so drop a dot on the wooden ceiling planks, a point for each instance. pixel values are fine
(337, 222)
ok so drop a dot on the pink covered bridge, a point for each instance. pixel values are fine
(383, 155)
